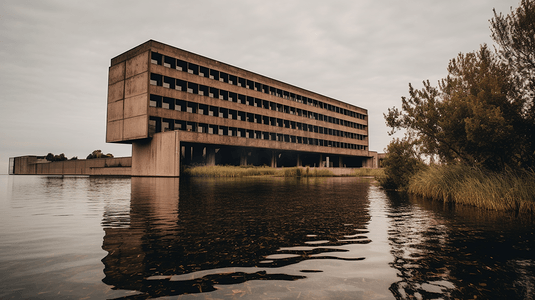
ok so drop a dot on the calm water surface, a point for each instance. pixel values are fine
(254, 238)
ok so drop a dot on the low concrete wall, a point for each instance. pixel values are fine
(34, 165)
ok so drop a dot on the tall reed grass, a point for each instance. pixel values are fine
(508, 190)
(368, 172)
(243, 171)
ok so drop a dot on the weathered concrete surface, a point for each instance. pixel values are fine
(32, 165)
(159, 156)
(128, 83)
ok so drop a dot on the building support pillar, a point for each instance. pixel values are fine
(320, 164)
(298, 164)
(340, 162)
(243, 158)
(210, 155)
(327, 162)
(273, 159)
(187, 155)
(157, 157)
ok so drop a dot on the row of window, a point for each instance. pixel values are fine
(203, 90)
(215, 111)
(170, 62)
(157, 124)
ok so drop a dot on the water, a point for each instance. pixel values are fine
(255, 238)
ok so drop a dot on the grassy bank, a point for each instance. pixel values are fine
(461, 184)
(228, 171)
(368, 172)
(243, 171)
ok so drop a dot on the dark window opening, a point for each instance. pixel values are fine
(193, 69)
(223, 77)
(156, 58)
(203, 109)
(214, 93)
(156, 79)
(181, 65)
(203, 90)
(155, 101)
(180, 125)
(155, 125)
(168, 103)
(232, 79)
(169, 62)
(180, 105)
(168, 82)
(168, 125)
(213, 111)
(181, 85)
(193, 88)
(223, 95)
(204, 72)
(214, 74)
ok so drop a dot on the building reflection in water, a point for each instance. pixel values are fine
(447, 252)
(228, 231)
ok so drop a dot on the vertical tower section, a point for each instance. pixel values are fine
(128, 86)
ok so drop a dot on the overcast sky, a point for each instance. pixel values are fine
(54, 55)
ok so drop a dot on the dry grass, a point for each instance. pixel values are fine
(461, 184)
(243, 171)
(368, 172)
(228, 171)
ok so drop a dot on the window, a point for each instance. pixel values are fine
(223, 77)
(214, 74)
(156, 58)
(193, 69)
(181, 65)
(169, 62)
(168, 125)
(204, 72)
(156, 79)
(168, 82)
(155, 125)
(180, 105)
(168, 103)
(155, 101)
(181, 85)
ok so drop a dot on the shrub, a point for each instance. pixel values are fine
(401, 163)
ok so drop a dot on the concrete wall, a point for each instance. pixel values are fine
(31, 165)
(128, 84)
(159, 156)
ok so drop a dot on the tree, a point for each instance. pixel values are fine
(400, 164)
(515, 36)
(99, 154)
(468, 117)
(52, 157)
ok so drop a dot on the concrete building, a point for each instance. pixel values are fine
(179, 108)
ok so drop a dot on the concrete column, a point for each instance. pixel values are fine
(320, 164)
(327, 162)
(159, 156)
(298, 160)
(273, 159)
(243, 158)
(210, 156)
(340, 162)
(187, 155)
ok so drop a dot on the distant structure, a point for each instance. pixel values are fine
(178, 108)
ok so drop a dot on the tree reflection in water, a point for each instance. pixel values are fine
(448, 252)
(227, 231)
